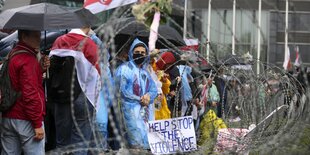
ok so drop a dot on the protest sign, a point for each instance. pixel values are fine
(172, 135)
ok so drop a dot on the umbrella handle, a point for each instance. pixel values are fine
(45, 91)
(47, 73)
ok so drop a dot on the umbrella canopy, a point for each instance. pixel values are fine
(129, 28)
(7, 43)
(45, 16)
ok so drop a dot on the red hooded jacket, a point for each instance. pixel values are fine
(26, 77)
(72, 41)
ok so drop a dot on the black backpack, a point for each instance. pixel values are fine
(8, 95)
(63, 82)
(62, 77)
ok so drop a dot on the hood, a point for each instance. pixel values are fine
(68, 41)
(78, 31)
(130, 54)
(165, 58)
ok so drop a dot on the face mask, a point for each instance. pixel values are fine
(138, 58)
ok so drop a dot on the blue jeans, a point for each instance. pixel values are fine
(84, 123)
(75, 125)
(17, 136)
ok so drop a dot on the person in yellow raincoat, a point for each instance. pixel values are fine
(161, 108)
(163, 112)
(209, 127)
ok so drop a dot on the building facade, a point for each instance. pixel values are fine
(246, 29)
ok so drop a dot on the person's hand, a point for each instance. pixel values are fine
(196, 102)
(200, 105)
(155, 51)
(45, 62)
(178, 79)
(39, 133)
(165, 77)
(210, 81)
(213, 104)
(172, 93)
(160, 97)
(145, 100)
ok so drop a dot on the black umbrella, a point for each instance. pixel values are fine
(45, 16)
(128, 28)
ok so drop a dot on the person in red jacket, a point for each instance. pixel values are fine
(74, 122)
(22, 125)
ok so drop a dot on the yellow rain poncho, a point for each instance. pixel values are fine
(209, 127)
(163, 112)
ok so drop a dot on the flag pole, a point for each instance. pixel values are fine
(209, 28)
(185, 20)
(233, 29)
(258, 35)
(286, 28)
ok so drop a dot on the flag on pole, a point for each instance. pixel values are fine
(154, 31)
(298, 59)
(96, 6)
(287, 60)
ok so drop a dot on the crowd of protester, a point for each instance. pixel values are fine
(80, 94)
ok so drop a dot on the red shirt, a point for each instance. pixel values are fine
(26, 77)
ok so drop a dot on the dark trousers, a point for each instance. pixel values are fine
(49, 124)
(75, 124)
(63, 124)
(113, 142)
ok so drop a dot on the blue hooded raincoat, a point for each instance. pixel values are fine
(186, 92)
(134, 82)
(106, 94)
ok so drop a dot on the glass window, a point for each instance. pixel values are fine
(245, 31)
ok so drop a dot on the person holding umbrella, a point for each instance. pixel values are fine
(37, 17)
(22, 125)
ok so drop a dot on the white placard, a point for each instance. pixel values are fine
(172, 135)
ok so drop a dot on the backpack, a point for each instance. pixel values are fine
(62, 77)
(8, 95)
(63, 82)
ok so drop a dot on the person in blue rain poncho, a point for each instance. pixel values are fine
(137, 93)
(106, 94)
(186, 92)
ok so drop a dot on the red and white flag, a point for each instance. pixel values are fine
(287, 60)
(96, 6)
(298, 59)
(87, 74)
(191, 45)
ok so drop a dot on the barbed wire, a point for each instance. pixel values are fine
(251, 98)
